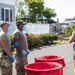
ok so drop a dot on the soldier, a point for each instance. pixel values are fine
(21, 44)
(72, 39)
(5, 49)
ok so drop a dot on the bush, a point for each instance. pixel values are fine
(35, 39)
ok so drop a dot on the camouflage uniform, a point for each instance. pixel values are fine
(6, 65)
(0, 58)
(21, 60)
(74, 51)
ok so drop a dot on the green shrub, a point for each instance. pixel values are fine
(41, 39)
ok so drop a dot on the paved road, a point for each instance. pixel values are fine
(62, 49)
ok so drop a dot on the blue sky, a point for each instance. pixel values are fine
(63, 8)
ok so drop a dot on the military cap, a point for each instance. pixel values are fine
(19, 22)
(3, 22)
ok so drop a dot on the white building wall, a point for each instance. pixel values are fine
(70, 21)
(9, 2)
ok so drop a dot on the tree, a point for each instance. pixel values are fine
(20, 12)
(69, 29)
(48, 12)
(31, 1)
(35, 8)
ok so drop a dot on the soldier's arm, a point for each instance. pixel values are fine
(16, 40)
(26, 43)
(24, 51)
(5, 47)
(72, 38)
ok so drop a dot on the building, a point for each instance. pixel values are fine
(70, 21)
(67, 22)
(7, 12)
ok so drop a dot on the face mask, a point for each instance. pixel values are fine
(9, 28)
(24, 27)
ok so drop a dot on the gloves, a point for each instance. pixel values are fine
(12, 59)
(15, 44)
(24, 52)
(28, 52)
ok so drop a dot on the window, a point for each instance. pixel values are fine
(2, 15)
(6, 14)
(10, 15)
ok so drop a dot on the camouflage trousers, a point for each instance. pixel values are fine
(6, 66)
(0, 62)
(21, 61)
(74, 51)
(0, 58)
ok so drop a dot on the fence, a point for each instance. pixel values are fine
(31, 28)
(37, 28)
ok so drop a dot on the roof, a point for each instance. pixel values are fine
(51, 21)
(25, 17)
(42, 17)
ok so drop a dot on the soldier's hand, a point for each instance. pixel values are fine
(12, 59)
(28, 52)
(15, 44)
(24, 52)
